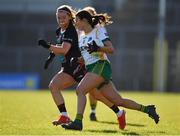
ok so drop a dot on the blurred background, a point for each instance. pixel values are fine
(145, 34)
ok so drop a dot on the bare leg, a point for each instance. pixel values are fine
(89, 82)
(92, 101)
(93, 104)
(110, 92)
(60, 81)
(96, 94)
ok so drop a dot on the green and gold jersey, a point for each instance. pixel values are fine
(99, 35)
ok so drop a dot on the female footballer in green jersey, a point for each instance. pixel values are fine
(93, 49)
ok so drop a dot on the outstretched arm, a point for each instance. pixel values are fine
(56, 49)
(60, 50)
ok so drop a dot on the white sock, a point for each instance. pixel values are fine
(93, 111)
(64, 114)
(119, 113)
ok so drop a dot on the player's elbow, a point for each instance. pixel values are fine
(111, 49)
(61, 52)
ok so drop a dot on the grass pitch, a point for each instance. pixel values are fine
(31, 113)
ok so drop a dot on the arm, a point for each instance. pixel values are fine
(60, 50)
(107, 48)
(105, 44)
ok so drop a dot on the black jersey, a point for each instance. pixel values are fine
(77, 70)
(69, 35)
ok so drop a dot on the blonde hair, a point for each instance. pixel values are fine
(91, 10)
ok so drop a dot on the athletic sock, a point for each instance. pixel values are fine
(144, 109)
(119, 113)
(64, 114)
(62, 109)
(116, 110)
(93, 108)
(78, 118)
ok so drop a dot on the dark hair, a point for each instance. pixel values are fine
(103, 19)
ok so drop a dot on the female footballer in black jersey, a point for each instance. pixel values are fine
(70, 73)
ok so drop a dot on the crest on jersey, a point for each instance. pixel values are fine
(90, 39)
(105, 34)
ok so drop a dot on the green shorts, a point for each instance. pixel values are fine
(101, 68)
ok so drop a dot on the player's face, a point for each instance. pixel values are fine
(63, 19)
(79, 24)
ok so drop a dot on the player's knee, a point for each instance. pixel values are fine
(79, 90)
(95, 96)
(53, 87)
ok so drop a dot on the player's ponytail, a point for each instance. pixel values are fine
(93, 20)
(102, 19)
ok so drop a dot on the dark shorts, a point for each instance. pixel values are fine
(77, 71)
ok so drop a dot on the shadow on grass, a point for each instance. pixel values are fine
(128, 124)
(102, 131)
(135, 125)
(159, 132)
(107, 122)
(130, 133)
(112, 132)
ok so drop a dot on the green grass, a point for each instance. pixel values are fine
(31, 113)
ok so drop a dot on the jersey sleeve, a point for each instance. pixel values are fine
(102, 34)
